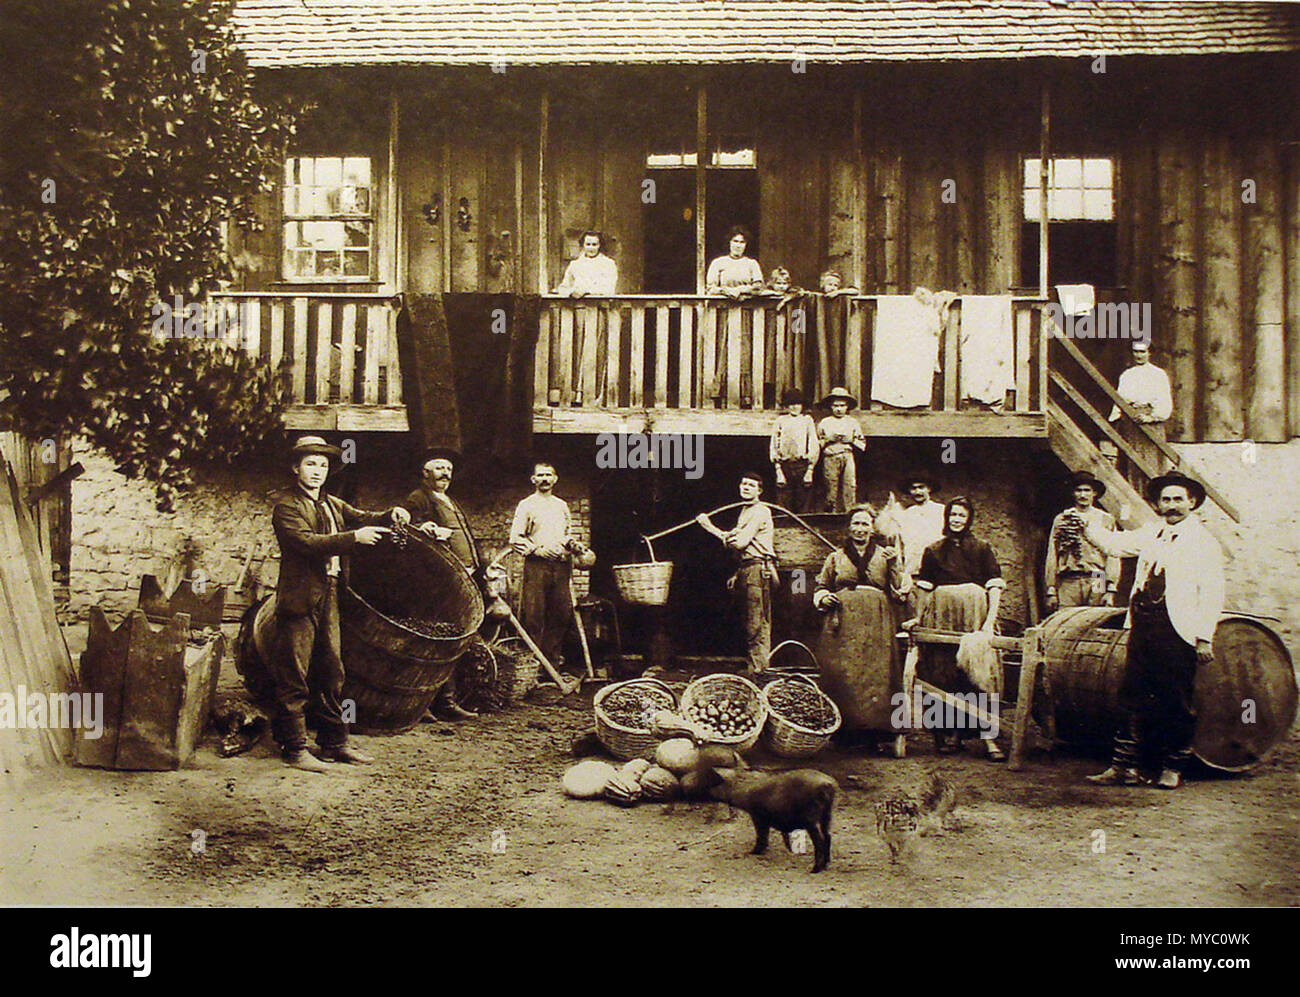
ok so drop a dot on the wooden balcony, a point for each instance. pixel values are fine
(341, 350)
(689, 364)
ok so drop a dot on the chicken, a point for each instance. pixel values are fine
(938, 801)
(896, 823)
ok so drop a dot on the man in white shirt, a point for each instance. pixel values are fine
(592, 273)
(1146, 388)
(754, 538)
(1178, 592)
(540, 531)
(920, 523)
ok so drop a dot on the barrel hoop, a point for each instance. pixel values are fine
(446, 654)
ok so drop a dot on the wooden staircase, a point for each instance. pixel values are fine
(1074, 438)
(1080, 453)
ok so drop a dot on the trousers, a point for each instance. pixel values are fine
(1081, 590)
(756, 595)
(795, 493)
(546, 604)
(1156, 699)
(307, 672)
(841, 476)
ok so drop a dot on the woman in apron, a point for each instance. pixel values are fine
(860, 589)
(960, 585)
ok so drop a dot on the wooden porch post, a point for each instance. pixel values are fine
(543, 228)
(445, 168)
(397, 261)
(701, 160)
(859, 198)
(1044, 152)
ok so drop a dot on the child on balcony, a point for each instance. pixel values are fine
(831, 284)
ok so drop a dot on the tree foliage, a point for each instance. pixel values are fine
(131, 131)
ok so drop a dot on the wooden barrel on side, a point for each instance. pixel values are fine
(1246, 698)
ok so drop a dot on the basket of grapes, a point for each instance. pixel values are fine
(625, 716)
(801, 718)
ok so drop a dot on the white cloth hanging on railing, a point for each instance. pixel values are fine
(905, 354)
(987, 348)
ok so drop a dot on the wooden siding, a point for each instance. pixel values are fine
(1222, 275)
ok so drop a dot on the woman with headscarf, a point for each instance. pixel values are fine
(960, 583)
(860, 589)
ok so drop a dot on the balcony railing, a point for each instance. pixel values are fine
(341, 350)
(662, 355)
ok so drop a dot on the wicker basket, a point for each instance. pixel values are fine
(626, 742)
(726, 686)
(789, 739)
(644, 584)
(517, 668)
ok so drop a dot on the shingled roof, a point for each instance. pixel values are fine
(285, 33)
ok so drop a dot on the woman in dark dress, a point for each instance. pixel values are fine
(960, 585)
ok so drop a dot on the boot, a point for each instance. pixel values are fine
(451, 710)
(346, 755)
(1169, 779)
(305, 760)
(1113, 776)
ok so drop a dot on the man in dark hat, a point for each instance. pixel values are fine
(1173, 613)
(1078, 573)
(437, 514)
(793, 451)
(315, 532)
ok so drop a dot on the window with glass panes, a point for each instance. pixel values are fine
(1082, 237)
(329, 221)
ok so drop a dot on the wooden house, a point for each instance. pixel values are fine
(458, 151)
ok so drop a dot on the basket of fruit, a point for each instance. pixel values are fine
(801, 718)
(729, 708)
(625, 716)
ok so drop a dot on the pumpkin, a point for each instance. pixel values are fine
(636, 768)
(659, 784)
(587, 779)
(677, 755)
(623, 790)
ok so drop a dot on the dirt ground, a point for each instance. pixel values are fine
(472, 814)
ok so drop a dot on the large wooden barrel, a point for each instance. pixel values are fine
(394, 669)
(1245, 699)
(393, 660)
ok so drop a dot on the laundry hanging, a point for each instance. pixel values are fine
(987, 349)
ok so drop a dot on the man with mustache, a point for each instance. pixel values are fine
(437, 515)
(1178, 592)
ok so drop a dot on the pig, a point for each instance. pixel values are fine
(788, 801)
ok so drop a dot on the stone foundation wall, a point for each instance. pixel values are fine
(118, 536)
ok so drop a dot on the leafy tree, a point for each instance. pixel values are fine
(131, 131)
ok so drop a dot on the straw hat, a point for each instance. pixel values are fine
(840, 395)
(315, 444)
